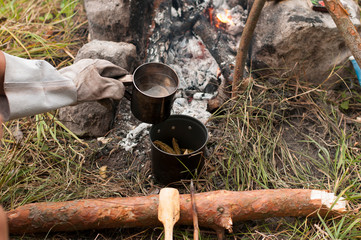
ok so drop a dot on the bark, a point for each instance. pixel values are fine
(217, 210)
(244, 44)
(348, 31)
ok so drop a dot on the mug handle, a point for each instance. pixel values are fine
(127, 81)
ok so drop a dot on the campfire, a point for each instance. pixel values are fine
(201, 49)
(198, 40)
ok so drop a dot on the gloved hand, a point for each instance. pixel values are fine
(97, 79)
(34, 86)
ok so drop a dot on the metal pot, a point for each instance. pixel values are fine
(154, 87)
(190, 134)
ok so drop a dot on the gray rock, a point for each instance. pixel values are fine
(120, 21)
(120, 53)
(292, 39)
(90, 119)
(93, 119)
(108, 19)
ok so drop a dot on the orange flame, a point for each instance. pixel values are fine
(225, 17)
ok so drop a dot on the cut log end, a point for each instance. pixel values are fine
(329, 200)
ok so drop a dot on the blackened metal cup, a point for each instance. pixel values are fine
(154, 87)
(190, 134)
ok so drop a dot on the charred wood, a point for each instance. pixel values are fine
(168, 26)
(218, 46)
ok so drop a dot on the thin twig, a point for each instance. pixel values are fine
(194, 213)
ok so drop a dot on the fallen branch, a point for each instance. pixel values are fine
(218, 209)
(348, 31)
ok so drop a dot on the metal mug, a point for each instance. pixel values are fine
(154, 87)
(190, 133)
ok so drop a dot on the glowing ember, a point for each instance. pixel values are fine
(225, 17)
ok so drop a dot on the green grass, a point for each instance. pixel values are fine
(38, 151)
(40, 29)
(323, 152)
(273, 136)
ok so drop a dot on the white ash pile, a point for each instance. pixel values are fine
(197, 63)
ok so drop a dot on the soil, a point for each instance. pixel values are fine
(123, 164)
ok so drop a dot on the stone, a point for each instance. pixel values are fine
(89, 119)
(291, 39)
(108, 19)
(93, 119)
(120, 53)
(120, 21)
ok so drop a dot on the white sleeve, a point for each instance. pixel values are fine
(34, 86)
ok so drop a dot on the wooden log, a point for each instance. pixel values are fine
(217, 209)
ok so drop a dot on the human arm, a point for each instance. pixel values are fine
(34, 86)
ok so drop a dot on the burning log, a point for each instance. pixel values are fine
(224, 56)
(217, 210)
(216, 45)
